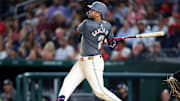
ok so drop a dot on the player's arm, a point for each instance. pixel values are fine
(81, 26)
(110, 38)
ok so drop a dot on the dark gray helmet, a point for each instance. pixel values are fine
(100, 7)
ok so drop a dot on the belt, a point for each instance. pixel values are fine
(86, 58)
(89, 58)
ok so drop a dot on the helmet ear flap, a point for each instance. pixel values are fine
(87, 13)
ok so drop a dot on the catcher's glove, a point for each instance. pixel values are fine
(174, 84)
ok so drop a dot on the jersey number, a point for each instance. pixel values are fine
(100, 41)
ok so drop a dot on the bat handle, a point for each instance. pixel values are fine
(119, 38)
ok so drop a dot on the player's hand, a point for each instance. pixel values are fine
(112, 42)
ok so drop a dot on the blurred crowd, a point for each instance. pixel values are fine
(48, 30)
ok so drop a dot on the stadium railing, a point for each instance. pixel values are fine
(22, 82)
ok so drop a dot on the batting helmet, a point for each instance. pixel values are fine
(100, 7)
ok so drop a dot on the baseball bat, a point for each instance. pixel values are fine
(144, 35)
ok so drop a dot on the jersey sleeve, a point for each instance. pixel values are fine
(111, 36)
(81, 26)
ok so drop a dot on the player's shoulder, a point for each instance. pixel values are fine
(107, 24)
(86, 21)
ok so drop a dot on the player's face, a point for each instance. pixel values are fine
(93, 14)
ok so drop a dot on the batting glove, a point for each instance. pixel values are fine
(112, 43)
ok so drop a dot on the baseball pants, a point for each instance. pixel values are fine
(90, 68)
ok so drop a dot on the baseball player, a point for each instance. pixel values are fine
(91, 64)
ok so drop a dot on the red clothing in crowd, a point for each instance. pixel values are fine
(173, 27)
(15, 35)
(43, 26)
(2, 27)
(105, 56)
(167, 7)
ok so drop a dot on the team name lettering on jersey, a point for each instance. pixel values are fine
(100, 30)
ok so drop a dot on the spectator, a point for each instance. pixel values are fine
(16, 30)
(12, 53)
(2, 27)
(48, 51)
(174, 30)
(3, 53)
(75, 20)
(166, 8)
(56, 7)
(1, 39)
(8, 25)
(121, 11)
(177, 6)
(28, 44)
(30, 18)
(22, 52)
(157, 52)
(127, 30)
(58, 20)
(8, 42)
(59, 35)
(143, 29)
(172, 19)
(123, 91)
(178, 46)
(42, 9)
(73, 8)
(151, 16)
(44, 38)
(161, 26)
(27, 27)
(121, 52)
(33, 55)
(105, 53)
(43, 24)
(137, 51)
(65, 52)
(140, 11)
(9, 91)
(21, 37)
(131, 16)
(165, 95)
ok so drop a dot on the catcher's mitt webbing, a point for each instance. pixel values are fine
(174, 84)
